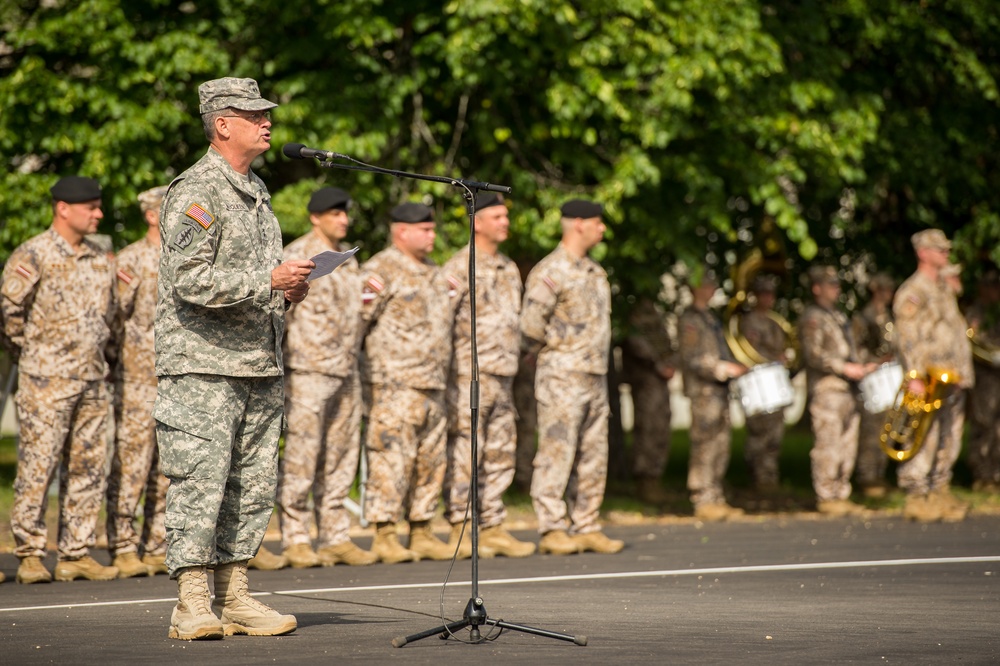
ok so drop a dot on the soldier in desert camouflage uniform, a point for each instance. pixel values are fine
(708, 366)
(220, 321)
(407, 315)
(566, 326)
(59, 303)
(322, 396)
(135, 467)
(984, 402)
(931, 335)
(873, 330)
(498, 305)
(832, 369)
(647, 367)
(764, 431)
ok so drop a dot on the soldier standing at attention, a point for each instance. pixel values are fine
(708, 366)
(322, 396)
(135, 466)
(220, 320)
(931, 335)
(832, 368)
(566, 326)
(59, 303)
(407, 314)
(765, 431)
(874, 330)
(498, 306)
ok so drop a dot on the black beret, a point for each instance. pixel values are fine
(74, 189)
(581, 208)
(488, 200)
(411, 213)
(329, 198)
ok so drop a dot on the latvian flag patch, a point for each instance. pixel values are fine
(372, 287)
(124, 277)
(200, 215)
(24, 271)
(549, 283)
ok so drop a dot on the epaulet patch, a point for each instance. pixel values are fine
(200, 215)
(124, 276)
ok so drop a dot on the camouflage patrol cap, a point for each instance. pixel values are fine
(823, 275)
(231, 93)
(764, 283)
(151, 199)
(930, 238)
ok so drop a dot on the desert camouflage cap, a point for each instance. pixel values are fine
(823, 275)
(229, 92)
(932, 238)
(152, 198)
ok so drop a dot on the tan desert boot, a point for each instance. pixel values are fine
(302, 556)
(387, 547)
(86, 567)
(129, 566)
(345, 553)
(501, 542)
(192, 618)
(426, 545)
(31, 570)
(598, 542)
(157, 563)
(239, 611)
(558, 542)
(265, 560)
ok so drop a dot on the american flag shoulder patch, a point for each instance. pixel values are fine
(124, 276)
(200, 215)
(24, 271)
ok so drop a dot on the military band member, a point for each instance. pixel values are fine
(498, 306)
(708, 366)
(874, 332)
(931, 336)
(135, 464)
(59, 303)
(832, 368)
(566, 328)
(984, 402)
(322, 397)
(407, 314)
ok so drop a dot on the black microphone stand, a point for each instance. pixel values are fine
(475, 614)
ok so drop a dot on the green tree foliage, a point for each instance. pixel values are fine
(849, 125)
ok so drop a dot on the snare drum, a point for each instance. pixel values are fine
(764, 389)
(880, 387)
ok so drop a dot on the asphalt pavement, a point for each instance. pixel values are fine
(774, 591)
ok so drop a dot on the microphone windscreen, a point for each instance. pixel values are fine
(293, 150)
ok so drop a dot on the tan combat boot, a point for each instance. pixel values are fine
(716, 511)
(129, 566)
(192, 618)
(501, 542)
(839, 508)
(387, 547)
(301, 556)
(157, 563)
(86, 567)
(465, 549)
(952, 509)
(425, 544)
(241, 613)
(921, 509)
(597, 542)
(651, 491)
(558, 542)
(265, 560)
(346, 553)
(31, 570)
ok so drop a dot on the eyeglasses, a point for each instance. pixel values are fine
(256, 117)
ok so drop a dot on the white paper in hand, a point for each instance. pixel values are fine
(327, 262)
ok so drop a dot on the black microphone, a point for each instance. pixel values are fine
(299, 152)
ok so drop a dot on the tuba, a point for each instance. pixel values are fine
(909, 420)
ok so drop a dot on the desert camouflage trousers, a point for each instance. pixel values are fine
(405, 445)
(872, 460)
(835, 419)
(931, 468)
(711, 437)
(218, 443)
(572, 458)
(763, 447)
(527, 425)
(135, 471)
(496, 442)
(63, 425)
(984, 431)
(322, 448)
(651, 431)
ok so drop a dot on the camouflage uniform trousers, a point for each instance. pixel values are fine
(496, 441)
(651, 432)
(135, 470)
(322, 448)
(984, 431)
(527, 425)
(872, 460)
(711, 438)
(63, 423)
(835, 420)
(763, 447)
(931, 468)
(218, 442)
(572, 458)
(405, 445)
